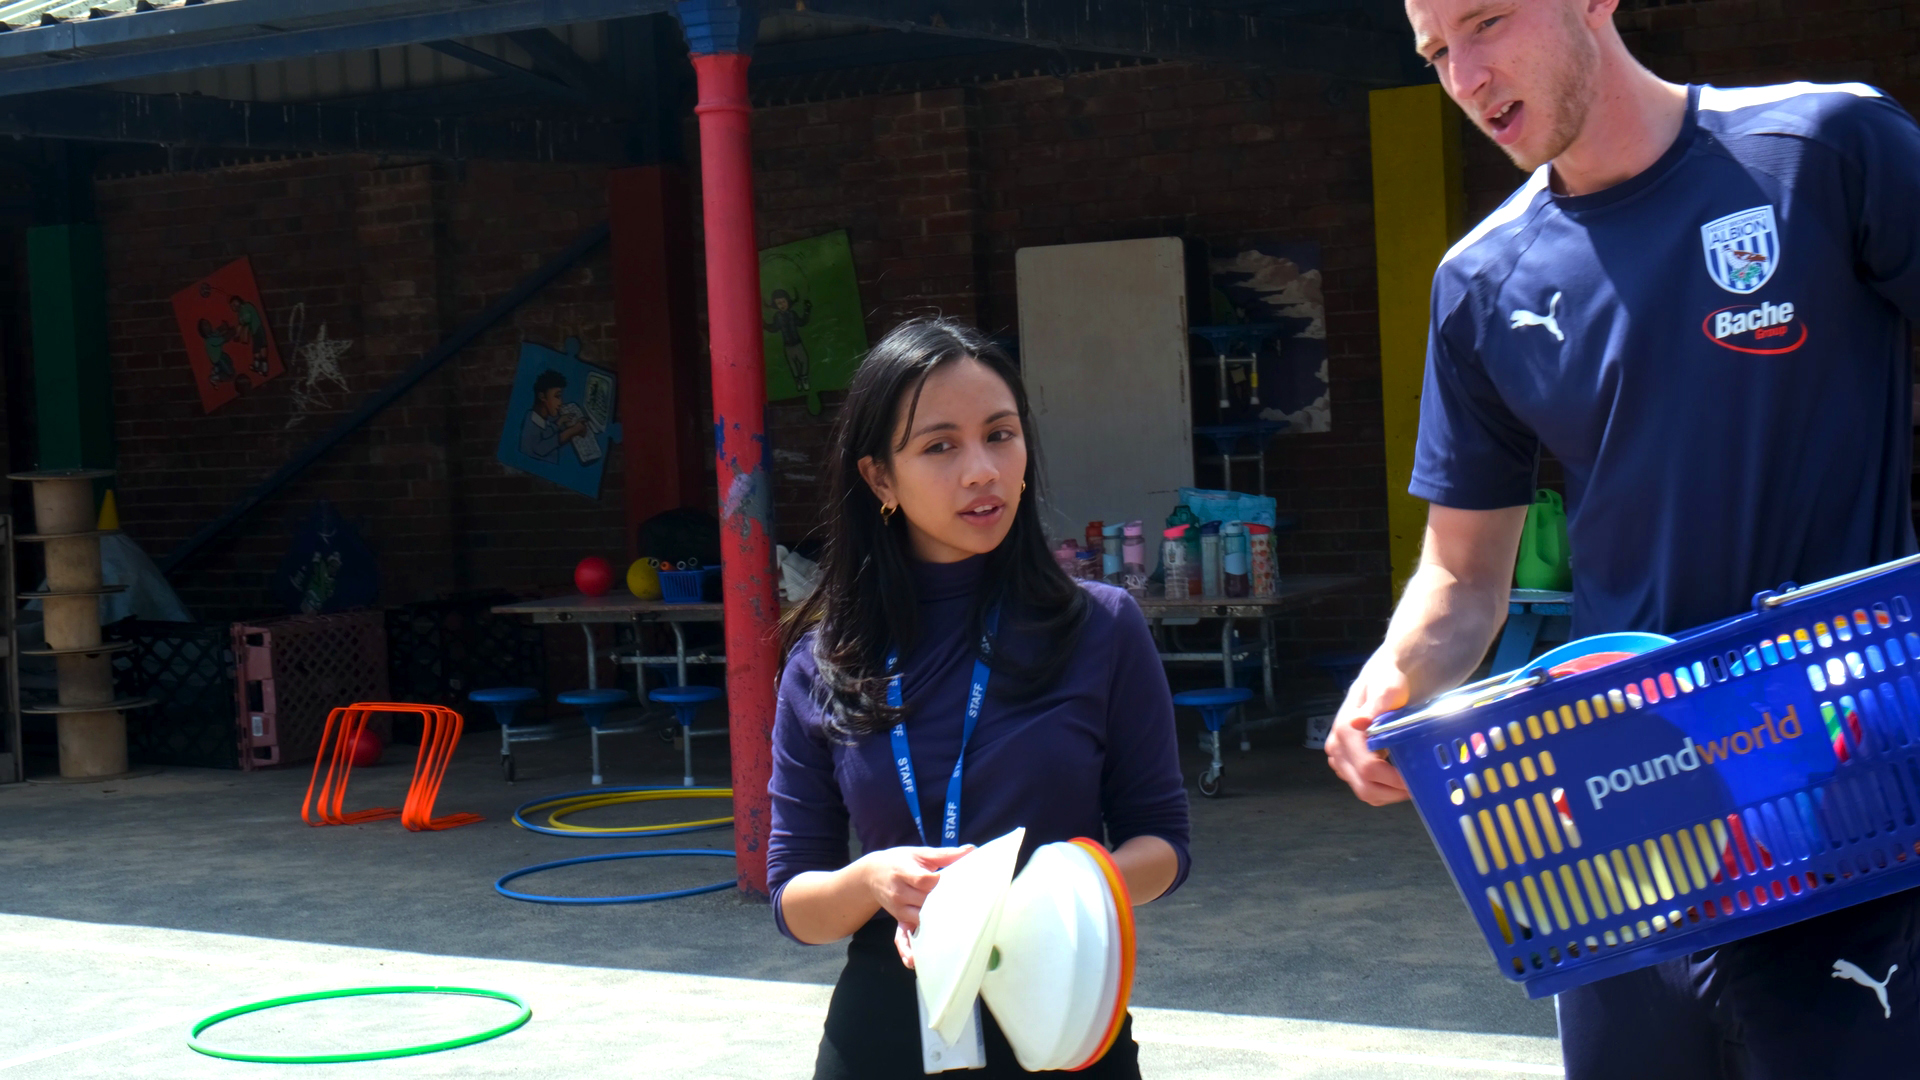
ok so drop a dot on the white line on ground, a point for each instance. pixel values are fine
(181, 1019)
(183, 952)
(1298, 1049)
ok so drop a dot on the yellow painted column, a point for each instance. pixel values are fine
(1418, 203)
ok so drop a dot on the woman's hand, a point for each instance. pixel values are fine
(899, 880)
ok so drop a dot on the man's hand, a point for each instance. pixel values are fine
(1381, 688)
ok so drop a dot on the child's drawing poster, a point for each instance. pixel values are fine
(810, 313)
(560, 424)
(229, 346)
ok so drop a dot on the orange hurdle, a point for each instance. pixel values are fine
(440, 733)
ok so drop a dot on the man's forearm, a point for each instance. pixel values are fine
(1441, 629)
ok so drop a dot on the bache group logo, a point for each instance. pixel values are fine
(1743, 251)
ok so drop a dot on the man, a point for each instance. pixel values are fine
(1698, 302)
(541, 435)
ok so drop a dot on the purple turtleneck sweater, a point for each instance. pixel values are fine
(1094, 755)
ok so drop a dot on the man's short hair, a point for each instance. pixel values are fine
(781, 294)
(548, 380)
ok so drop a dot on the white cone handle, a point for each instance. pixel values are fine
(1049, 951)
(957, 925)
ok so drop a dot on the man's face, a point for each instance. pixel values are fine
(780, 303)
(548, 401)
(1523, 70)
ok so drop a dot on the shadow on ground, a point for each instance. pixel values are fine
(1303, 902)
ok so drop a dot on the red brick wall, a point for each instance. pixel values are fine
(392, 258)
(936, 189)
(940, 188)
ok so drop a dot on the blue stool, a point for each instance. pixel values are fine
(594, 705)
(505, 701)
(1214, 705)
(686, 702)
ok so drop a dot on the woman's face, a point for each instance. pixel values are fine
(957, 475)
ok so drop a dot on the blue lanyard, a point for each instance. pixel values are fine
(903, 759)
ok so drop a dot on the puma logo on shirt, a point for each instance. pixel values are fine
(1846, 969)
(1523, 317)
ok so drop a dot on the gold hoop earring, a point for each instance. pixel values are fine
(886, 514)
(1023, 487)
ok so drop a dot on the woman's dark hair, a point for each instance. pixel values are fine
(865, 602)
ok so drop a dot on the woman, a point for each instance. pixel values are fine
(935, 559)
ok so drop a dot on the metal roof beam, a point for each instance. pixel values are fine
(532, 80)
(557, 58)
(264, 42)
(1149, 28)
(194, 121)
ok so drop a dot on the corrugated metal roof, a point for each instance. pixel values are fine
(351, 74)
(46, 12)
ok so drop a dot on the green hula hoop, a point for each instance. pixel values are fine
(193, 1037)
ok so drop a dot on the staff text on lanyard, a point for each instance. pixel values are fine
(903, 759)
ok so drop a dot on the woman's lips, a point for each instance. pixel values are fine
(984, 515)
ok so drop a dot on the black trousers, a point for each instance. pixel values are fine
(873, 1023)
(1834, 996)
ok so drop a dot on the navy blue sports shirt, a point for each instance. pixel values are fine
(1716, 349)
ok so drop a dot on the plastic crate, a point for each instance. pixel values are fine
(294, 671)
(188, 669)
(685, 586)
(1758, 771)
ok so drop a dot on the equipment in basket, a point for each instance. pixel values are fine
(1050, 951)
(1754, 773)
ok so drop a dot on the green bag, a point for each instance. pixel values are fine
(1545, 561)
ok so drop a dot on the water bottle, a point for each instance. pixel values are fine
(1087, 565)
(1133, 558)
(1210, 577)
(1260, 560)
(1233, 545)
(1064, 555)
(1173, 560)
(1111, 553)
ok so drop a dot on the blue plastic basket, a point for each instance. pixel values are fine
(685, 586)
(1756, 772)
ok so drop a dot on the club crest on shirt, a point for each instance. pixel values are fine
(1743, 249)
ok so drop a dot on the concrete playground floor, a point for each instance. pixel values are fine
(1316, 937)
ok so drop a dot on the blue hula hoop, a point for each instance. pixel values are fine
(641, 898)
(641, 830)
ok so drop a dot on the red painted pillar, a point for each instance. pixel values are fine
(740, 445)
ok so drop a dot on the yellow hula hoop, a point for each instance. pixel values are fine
(562, 806)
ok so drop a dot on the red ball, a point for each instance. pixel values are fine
(594, 576)
(367, 749)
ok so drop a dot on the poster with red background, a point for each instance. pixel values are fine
(229, 344)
